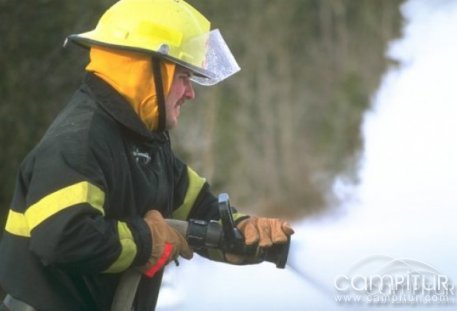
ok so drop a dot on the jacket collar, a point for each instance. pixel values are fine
(116, 106)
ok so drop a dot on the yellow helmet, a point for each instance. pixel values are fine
(171, 29)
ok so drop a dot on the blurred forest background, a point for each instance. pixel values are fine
(274, 136)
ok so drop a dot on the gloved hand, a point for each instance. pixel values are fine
(261, 231)
(167, 243)
(264, 231)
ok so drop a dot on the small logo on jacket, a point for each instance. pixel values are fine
(141, 157)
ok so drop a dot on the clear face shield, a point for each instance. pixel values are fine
(208, 56)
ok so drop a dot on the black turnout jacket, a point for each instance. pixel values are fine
(75, 221)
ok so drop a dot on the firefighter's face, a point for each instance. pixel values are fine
(180, 91)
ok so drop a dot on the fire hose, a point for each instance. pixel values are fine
(200, 234)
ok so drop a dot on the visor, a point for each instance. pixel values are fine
(207, 56)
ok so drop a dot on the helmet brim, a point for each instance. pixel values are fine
(218, 62)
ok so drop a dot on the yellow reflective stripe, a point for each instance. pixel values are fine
(128, 251)
(17, 224)
(22, 224)
(195, 185)
(82, 192)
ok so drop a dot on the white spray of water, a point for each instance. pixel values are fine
(406, 203)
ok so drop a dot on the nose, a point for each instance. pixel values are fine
(190, 93)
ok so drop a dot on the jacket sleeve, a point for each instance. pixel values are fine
(194, 197)
(64, 213)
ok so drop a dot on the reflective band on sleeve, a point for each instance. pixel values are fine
(17, 224)
(195, 185)
(55, 202)
(128, 251)
(82, 192)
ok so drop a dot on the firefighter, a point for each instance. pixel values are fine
(91, 197)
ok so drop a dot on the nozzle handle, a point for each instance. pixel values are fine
(231, 234)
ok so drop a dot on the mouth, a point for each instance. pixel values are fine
(180, 103)
(178, 106)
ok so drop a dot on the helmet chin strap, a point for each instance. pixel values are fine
(158, 81)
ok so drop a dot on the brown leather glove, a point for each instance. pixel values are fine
(264, 231)
(167, 243)
(261, 231)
